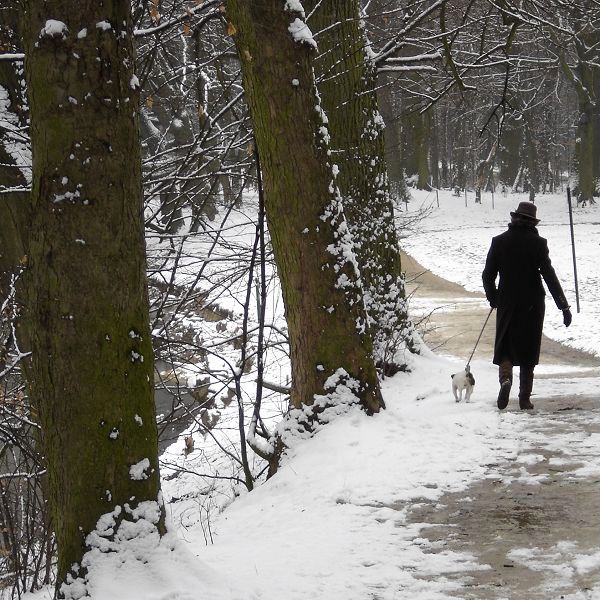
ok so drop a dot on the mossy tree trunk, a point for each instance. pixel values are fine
(415, 147)
(91, 373)
(585, 145)
(393, 138)
(347, 83)
(324, 307)
(586, 83)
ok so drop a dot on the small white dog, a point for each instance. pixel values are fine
(463, 381)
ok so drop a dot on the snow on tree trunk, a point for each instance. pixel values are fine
(330, 346)
(347, 82)
(91, 374)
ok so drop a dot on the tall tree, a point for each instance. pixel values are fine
(347, 82)
(329, 340)
(91, 373)
(586, 80)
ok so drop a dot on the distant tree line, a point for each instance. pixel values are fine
(494, 93)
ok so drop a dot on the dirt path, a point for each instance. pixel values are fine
(533, 524)
(456, 317)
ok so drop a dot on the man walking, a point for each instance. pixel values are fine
(520, 256)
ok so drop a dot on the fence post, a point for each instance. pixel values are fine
(573, 247)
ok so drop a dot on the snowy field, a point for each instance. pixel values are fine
(333, 523)
(453, 241)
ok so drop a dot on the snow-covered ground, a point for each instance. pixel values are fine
(332, 524)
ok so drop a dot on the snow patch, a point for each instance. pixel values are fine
(295, 6)
(301, 32)
(139, 470)
(54, 28)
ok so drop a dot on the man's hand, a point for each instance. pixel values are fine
(567, 317)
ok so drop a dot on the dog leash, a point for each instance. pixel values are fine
(477, 342)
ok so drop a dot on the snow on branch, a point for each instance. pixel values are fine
(391, 68)
(12, 57)
(398, 41)
(190, 12)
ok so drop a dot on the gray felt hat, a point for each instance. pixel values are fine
(527, 210)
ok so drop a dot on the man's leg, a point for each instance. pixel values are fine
(525, 387)
(505, 375)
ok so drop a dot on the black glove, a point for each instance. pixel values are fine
(567, 317)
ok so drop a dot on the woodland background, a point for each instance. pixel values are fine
(274, 138)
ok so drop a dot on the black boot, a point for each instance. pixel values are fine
(525, 388)
(505, 376)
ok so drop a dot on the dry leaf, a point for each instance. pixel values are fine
(150, 101)
(189, 445)
(23, 260)
(247, 55)
(187, 30)
(231, 30)
(154, 12)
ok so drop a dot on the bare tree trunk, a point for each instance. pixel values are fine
(91, 375)
(393, 138)
(324, 307)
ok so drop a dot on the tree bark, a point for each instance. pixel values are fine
(91, 374)
(415, 147)
(393, 138)
(324, 308)
(584, 144)
(347, 83)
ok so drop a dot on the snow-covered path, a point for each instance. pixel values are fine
(534, 518)
(531, 524)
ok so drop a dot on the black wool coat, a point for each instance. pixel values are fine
(520, 257)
